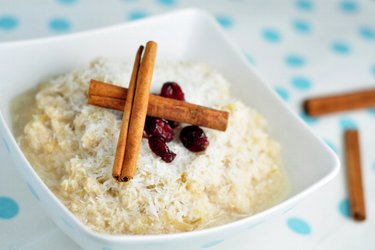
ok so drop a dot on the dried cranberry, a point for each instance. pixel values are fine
(159, 127)
(160, 148)
(172, 90)
(194, 138)
(173, 124)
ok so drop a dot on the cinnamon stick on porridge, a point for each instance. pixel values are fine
(121, 144)
(138, 112)
(110, 96)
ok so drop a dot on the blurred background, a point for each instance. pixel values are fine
(302, 48)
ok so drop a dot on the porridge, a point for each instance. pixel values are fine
(71, 146)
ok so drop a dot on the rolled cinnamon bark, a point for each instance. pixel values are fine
(110, 96)
(353, 161)
(138, 112)
(127, 107)
(341, 102)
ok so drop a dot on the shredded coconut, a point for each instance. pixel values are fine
(71, 145)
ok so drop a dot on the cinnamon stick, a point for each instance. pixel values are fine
(353, 161)
(121, 143)
(138, 112)
(110, 96)
(342, 102)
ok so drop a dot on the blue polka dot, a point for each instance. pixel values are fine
(344, 208)
(294, 60)
(299, 226)
(6, 145)
(308, 119)
(373, 166)
(67, 1)
(59, 25)
(8, 208)
(137, 14)
(271, 35)
(301, 26)
(348, 6)
(347, 123)
(340, 48)
(367, 33)
(304, 5)
(372, 111)
(8, 23)
(301, 83)
(282, 92)
(212, 243)
(32, 191)
(250, 59)
(331, 145)
(225, 21)
(167, 2)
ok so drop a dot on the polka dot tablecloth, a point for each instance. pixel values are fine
(301, 47)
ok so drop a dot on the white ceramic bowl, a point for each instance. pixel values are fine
(186, 35)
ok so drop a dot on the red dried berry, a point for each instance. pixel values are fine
(173, 124)
(159, 127)
(194, 138)
(160, 148)
(172, 90)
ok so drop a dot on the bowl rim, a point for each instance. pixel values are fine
(284, 205)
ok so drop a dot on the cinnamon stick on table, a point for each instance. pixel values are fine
(121, 143)
(341, 102)
(353, 161)
(138, 112)
(111, 96)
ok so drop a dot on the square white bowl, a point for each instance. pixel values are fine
(183, 35)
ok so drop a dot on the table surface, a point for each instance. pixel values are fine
(301, 47)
